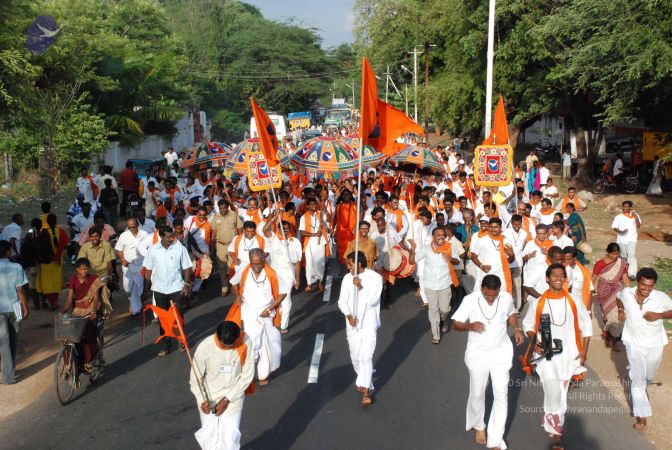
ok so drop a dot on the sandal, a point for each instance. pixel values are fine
(284, 331)
(163, 353)
(436, 341)
(263, 382)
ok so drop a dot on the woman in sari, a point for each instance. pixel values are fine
(577, 230)
(50, 276)
(610, 276)
(84, 301)
(533, 178)
(655, 186)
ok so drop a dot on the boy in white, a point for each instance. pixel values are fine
(581, 284)
(558, 236)
(535, 251)
(131, 260)
(359, 301)
(626, 225)
(643, 308)
(313, 228)
(224, 376)
(571, 323)
(517, 237)
(486, 254)
(489, 355)
(286, 261)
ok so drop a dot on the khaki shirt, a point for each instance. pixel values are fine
(225, 228)
(99, 257)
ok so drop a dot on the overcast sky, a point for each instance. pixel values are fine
(333, 18)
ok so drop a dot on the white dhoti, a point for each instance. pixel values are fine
(286, 282)
(219, 432)
(495, 364)
(315, 261)
(644, 362)
(469, 278)
(133, 285)
(555, 401)
(265, 340)
(362, 344)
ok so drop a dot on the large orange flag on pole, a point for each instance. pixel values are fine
(267, 136)
(381, 123)
(500, 130)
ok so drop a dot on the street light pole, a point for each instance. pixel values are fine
(415, 83)
(387, 82)
(490, 57)
(406, 99)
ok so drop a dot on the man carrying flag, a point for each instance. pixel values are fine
(169, 268)
(224, 368)
(267, 137)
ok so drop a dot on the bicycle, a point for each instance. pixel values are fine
(630, 184)
(69, 330)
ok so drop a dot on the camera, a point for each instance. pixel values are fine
(549, 345)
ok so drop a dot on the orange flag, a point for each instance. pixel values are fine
(500, 131)
(168, 323)
(267, 136)
(380, 123)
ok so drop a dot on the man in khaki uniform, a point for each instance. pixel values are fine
(225, 227)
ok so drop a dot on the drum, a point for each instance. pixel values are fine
(393, 259)
(406, 269)
(584, 247)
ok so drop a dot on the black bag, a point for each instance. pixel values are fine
(45, 252)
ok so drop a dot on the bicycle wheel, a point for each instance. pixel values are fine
(599, 187)
(631, 186)
(65, 373)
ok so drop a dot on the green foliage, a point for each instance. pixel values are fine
(80, 135)
(22, 144)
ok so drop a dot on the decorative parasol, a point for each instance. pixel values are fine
(413, 157)
(370, 156)
(325, 155)
(237, 160)
(207, 156)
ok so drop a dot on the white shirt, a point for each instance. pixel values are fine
(488, 252)
(284, 254)
(315, 226)
(628, 225)
(618, 167)
(637, 330)
(537, 260)
(129, 246)
(392, 221)
(167, 265)
(191, 227)
(436, 275)
(563, 241)
(544, 173)
(171, 158)
(546, 219)
(388, 239)
(148, 227)
(517, 241)
(367, 299)
(475, 308)
(550, 192)
(566, 159)
(14, 231)
(576, 287)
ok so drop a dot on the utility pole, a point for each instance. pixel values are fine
(406, 99)
(426, 86)
(354, 106)
(415, 83)
(387, 83)
(490, 57)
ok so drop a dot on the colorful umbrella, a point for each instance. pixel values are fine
(207, 156)
(370, 157)
(325, 155)
(237, 160)
(413, 157)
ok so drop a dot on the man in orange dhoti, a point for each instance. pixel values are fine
(346, 223)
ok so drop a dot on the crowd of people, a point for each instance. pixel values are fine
(488, 255)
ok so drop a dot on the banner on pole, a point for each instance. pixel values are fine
(493, 165)
(260, 176)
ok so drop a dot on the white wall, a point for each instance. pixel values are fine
(545, 130)
(117, 154)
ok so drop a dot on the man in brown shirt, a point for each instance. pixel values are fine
(366, 245)
(225, 226)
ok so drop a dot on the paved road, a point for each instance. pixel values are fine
(144, 402)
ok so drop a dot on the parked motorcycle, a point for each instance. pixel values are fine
(630, 184)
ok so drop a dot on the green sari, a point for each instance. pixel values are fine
(577, 231)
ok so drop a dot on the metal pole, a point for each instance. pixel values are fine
(490, 56)
(406, 99)
(194, 366)
(359, 201)
(354, 106)
(415, 83)
(387, 82)
(282, 230)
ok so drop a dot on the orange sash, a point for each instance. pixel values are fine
(528, 224)
(275, 290)
(549, 213)
(505, 263)
(171, 193)
(540, 308)
(308, 220)
(586, 284)
(94, 187)
(544, 245)
(160, 212)
(206, 228)
(254, 214)
(399, 221)
(236, 243)
(447, 249)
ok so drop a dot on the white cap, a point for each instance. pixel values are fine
(461, 161)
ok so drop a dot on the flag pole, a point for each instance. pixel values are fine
(275, 201)
(359, 202)
(193, 364)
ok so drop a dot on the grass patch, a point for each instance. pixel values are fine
(664, 268)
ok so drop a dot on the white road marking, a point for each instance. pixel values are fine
(315, 361)
(327, 289)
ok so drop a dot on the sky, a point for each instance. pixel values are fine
(333, 19)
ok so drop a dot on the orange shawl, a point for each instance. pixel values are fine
(399, 221)
(94, 187)
(528, 224)
(254, 214)
(447, 250)
(586, 284)
(236, 243)
(206, 228)
(344, 219)
(308, 220)
(566, 200)
(505, 263)
(544, 245)
(549, 213)
(171, 193)
(540, 308)
(275, 290)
